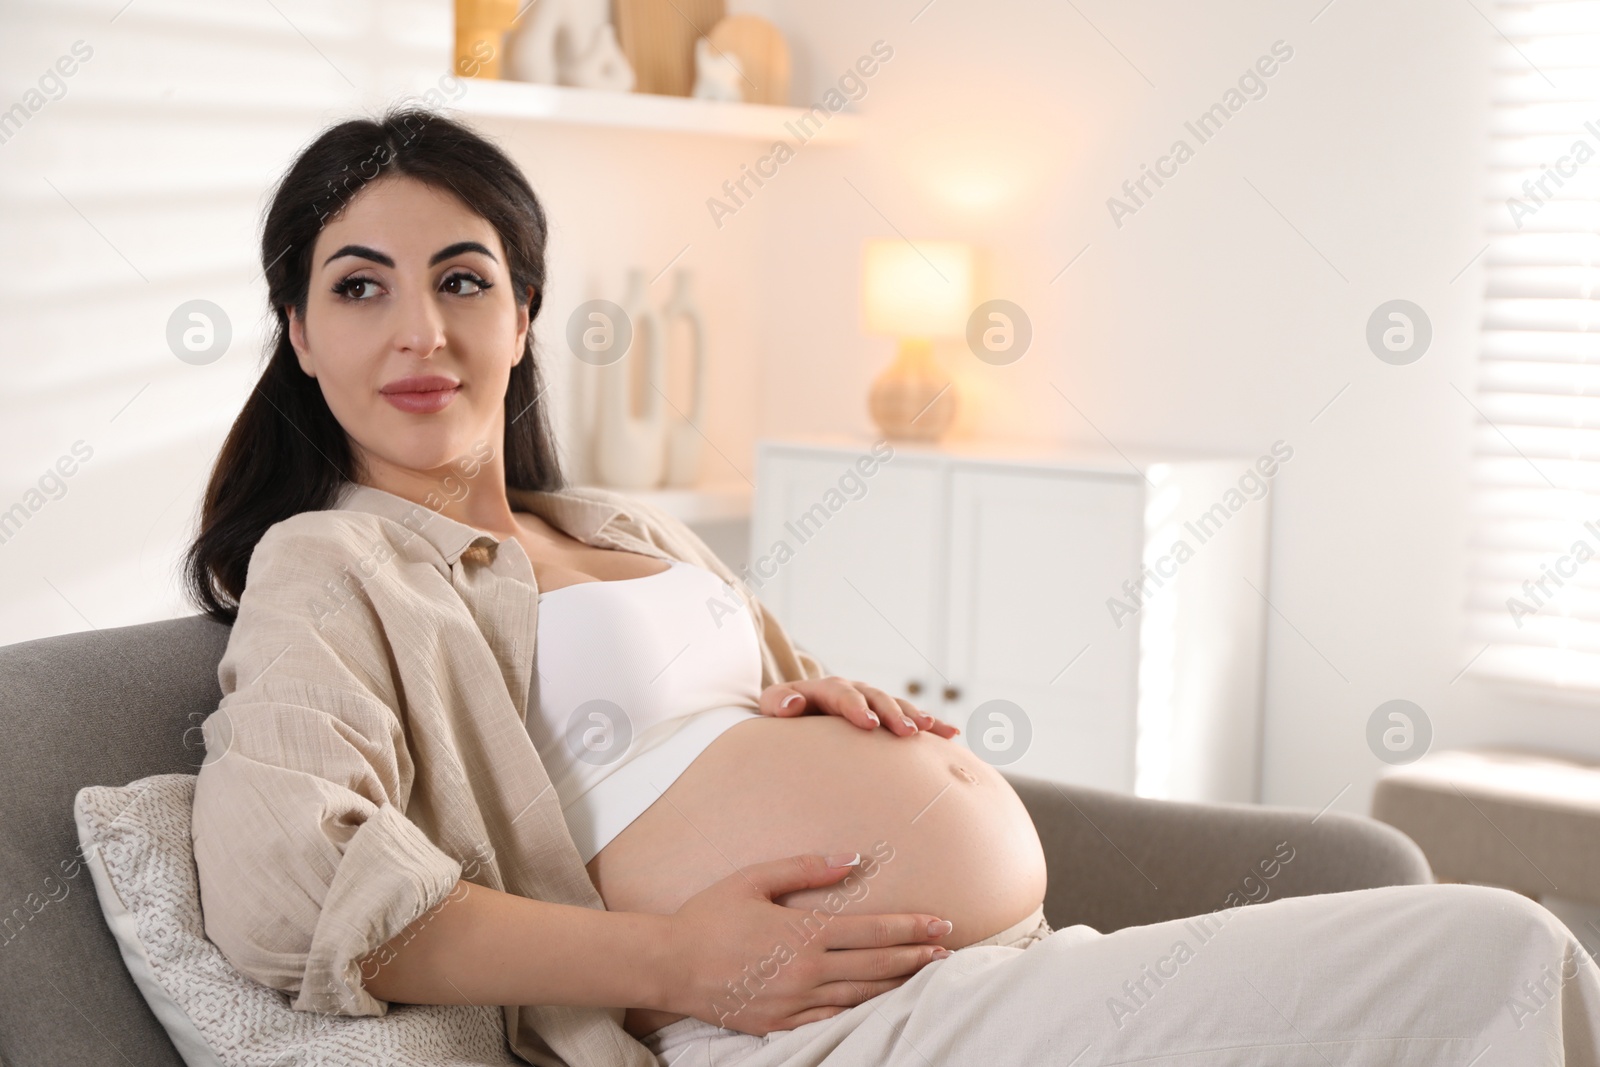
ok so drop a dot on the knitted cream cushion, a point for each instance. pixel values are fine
(136, 843)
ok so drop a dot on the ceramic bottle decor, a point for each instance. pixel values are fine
(630, 450)
(570, 42)
(684, 440)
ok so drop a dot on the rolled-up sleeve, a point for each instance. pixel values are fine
(306, 859)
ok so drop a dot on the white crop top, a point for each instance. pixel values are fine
(636, 677)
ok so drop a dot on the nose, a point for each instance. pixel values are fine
(419, 328)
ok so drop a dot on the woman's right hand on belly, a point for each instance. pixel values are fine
(744, 963)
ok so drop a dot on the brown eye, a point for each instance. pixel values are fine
(454, 282)
(349, 286)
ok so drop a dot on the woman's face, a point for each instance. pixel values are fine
(411, 328)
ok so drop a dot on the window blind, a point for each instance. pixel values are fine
(1534, 604)
(127, 188)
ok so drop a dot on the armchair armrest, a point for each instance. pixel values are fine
(1116, 860)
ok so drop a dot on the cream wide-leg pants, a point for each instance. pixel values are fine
(1442, 975)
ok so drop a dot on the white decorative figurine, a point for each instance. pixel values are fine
(684, 439)
(570, 42)
(631, 450)
(716, 74)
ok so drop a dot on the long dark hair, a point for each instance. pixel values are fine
(286, 453)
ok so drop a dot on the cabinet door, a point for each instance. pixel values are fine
(1033, 557)
(860, 587)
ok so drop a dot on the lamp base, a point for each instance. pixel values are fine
(913, 399)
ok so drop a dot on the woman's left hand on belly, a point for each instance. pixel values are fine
(864, 705)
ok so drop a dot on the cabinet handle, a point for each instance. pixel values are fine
(952, 693)
(913, 687)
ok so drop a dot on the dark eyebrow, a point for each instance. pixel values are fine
(363, 251)
(458, 248)
(378, 257)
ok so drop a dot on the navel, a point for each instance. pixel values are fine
(963, 774)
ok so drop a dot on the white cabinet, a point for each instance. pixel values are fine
(994, 586)
(859, 575)
(1029, 555)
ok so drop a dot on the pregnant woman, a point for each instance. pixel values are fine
(486, 738)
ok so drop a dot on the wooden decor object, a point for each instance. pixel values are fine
(480, 36)
(761, 51)
(658, 38)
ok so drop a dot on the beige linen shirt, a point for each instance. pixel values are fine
(370, 747)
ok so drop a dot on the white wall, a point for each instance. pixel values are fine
(1205, 321)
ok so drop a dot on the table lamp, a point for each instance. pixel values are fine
(915, 293)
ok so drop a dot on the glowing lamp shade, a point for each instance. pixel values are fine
(916, 291)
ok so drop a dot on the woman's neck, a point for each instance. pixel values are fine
(467, 490)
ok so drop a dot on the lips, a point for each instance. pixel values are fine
(422, 394)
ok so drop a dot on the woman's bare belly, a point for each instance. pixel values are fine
(939, 830)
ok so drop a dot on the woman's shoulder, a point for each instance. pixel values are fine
(340, 535)
(614, 499)
(624, 515)
(330, 553)
(306, 612)
(630, 511)
(335, 525)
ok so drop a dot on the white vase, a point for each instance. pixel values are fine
(716, 74)
(630, 450)
(684, 438)
(569, 42)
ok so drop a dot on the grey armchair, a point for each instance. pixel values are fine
(110, 706)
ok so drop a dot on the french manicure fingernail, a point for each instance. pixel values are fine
(790, 699)
(873, 719)
(844, 859)
(940, 953)
(940, 927)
